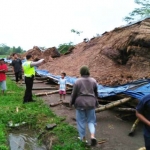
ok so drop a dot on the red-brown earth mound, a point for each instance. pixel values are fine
(117, 57)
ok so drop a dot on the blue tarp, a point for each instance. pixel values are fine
(137, 89)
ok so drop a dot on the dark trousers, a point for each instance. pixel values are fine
(18, 76)
(28, 91)
(147, 142)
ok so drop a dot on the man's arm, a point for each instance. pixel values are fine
(13, 67)
(74, 94)
(142, 118)
(36, 63)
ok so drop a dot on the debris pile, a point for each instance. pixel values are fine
(117, 57)
(47, 54)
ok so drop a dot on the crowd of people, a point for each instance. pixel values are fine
(83, 97)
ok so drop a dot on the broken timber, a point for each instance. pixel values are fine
(133, 127)
(48, 93)
(125, 109)
(44, 88)
(55, 104)
(113, 104)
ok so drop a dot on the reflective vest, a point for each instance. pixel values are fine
(28, 70)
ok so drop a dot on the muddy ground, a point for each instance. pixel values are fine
(109, 127)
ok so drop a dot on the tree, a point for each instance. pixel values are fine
(77, 32)
(63, 48)
(141, 12)
(6, 50)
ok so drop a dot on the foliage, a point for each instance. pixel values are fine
(6, 50)
(141, 12)
(77, 32)
(36, 115)
(63, 48)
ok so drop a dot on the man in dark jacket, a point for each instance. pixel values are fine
(84, 98)
(17, 68)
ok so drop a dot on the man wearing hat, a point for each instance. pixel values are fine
(3, 70)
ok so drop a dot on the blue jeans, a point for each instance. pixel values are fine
(83, 117)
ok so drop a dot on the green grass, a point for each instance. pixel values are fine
(36, 115)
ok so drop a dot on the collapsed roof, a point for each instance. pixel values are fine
(117, 57)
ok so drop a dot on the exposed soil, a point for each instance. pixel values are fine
(117, 57)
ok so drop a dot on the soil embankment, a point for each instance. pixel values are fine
(117, 57)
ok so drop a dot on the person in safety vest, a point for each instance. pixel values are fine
(29, 73)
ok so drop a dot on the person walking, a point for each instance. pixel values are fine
(62, 86)
(29, 73)
(143, 113)
(3, 70)
(84, 99)
(17, 68)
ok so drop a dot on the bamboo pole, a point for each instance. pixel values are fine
(125, 109)
(133, 127)
(55, 104)
(44, 88)
(10, 73)
(46, 93)
(112, 104)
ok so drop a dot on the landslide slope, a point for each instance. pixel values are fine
(117, 57)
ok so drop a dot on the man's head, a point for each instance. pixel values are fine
(15, 55)
(1, 61)
(28, 57)
(84, 71)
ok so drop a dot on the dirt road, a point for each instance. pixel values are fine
(109, 127)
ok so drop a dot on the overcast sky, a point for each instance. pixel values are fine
(48, 23)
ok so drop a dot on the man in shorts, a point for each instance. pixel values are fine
(3, 70)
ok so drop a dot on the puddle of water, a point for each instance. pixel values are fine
(24, 140)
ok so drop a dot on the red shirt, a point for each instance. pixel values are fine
(2, 74)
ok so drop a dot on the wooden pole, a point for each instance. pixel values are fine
(125, 109)
(48, 93)
(133, 127)
(112, 104)
(55, 104)
(44, 88)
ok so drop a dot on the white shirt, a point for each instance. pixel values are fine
(62, 84)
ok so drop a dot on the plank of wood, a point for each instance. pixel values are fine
(44, 88)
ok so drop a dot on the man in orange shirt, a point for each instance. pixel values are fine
(3, 69)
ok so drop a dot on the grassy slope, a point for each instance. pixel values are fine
(37, 115)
